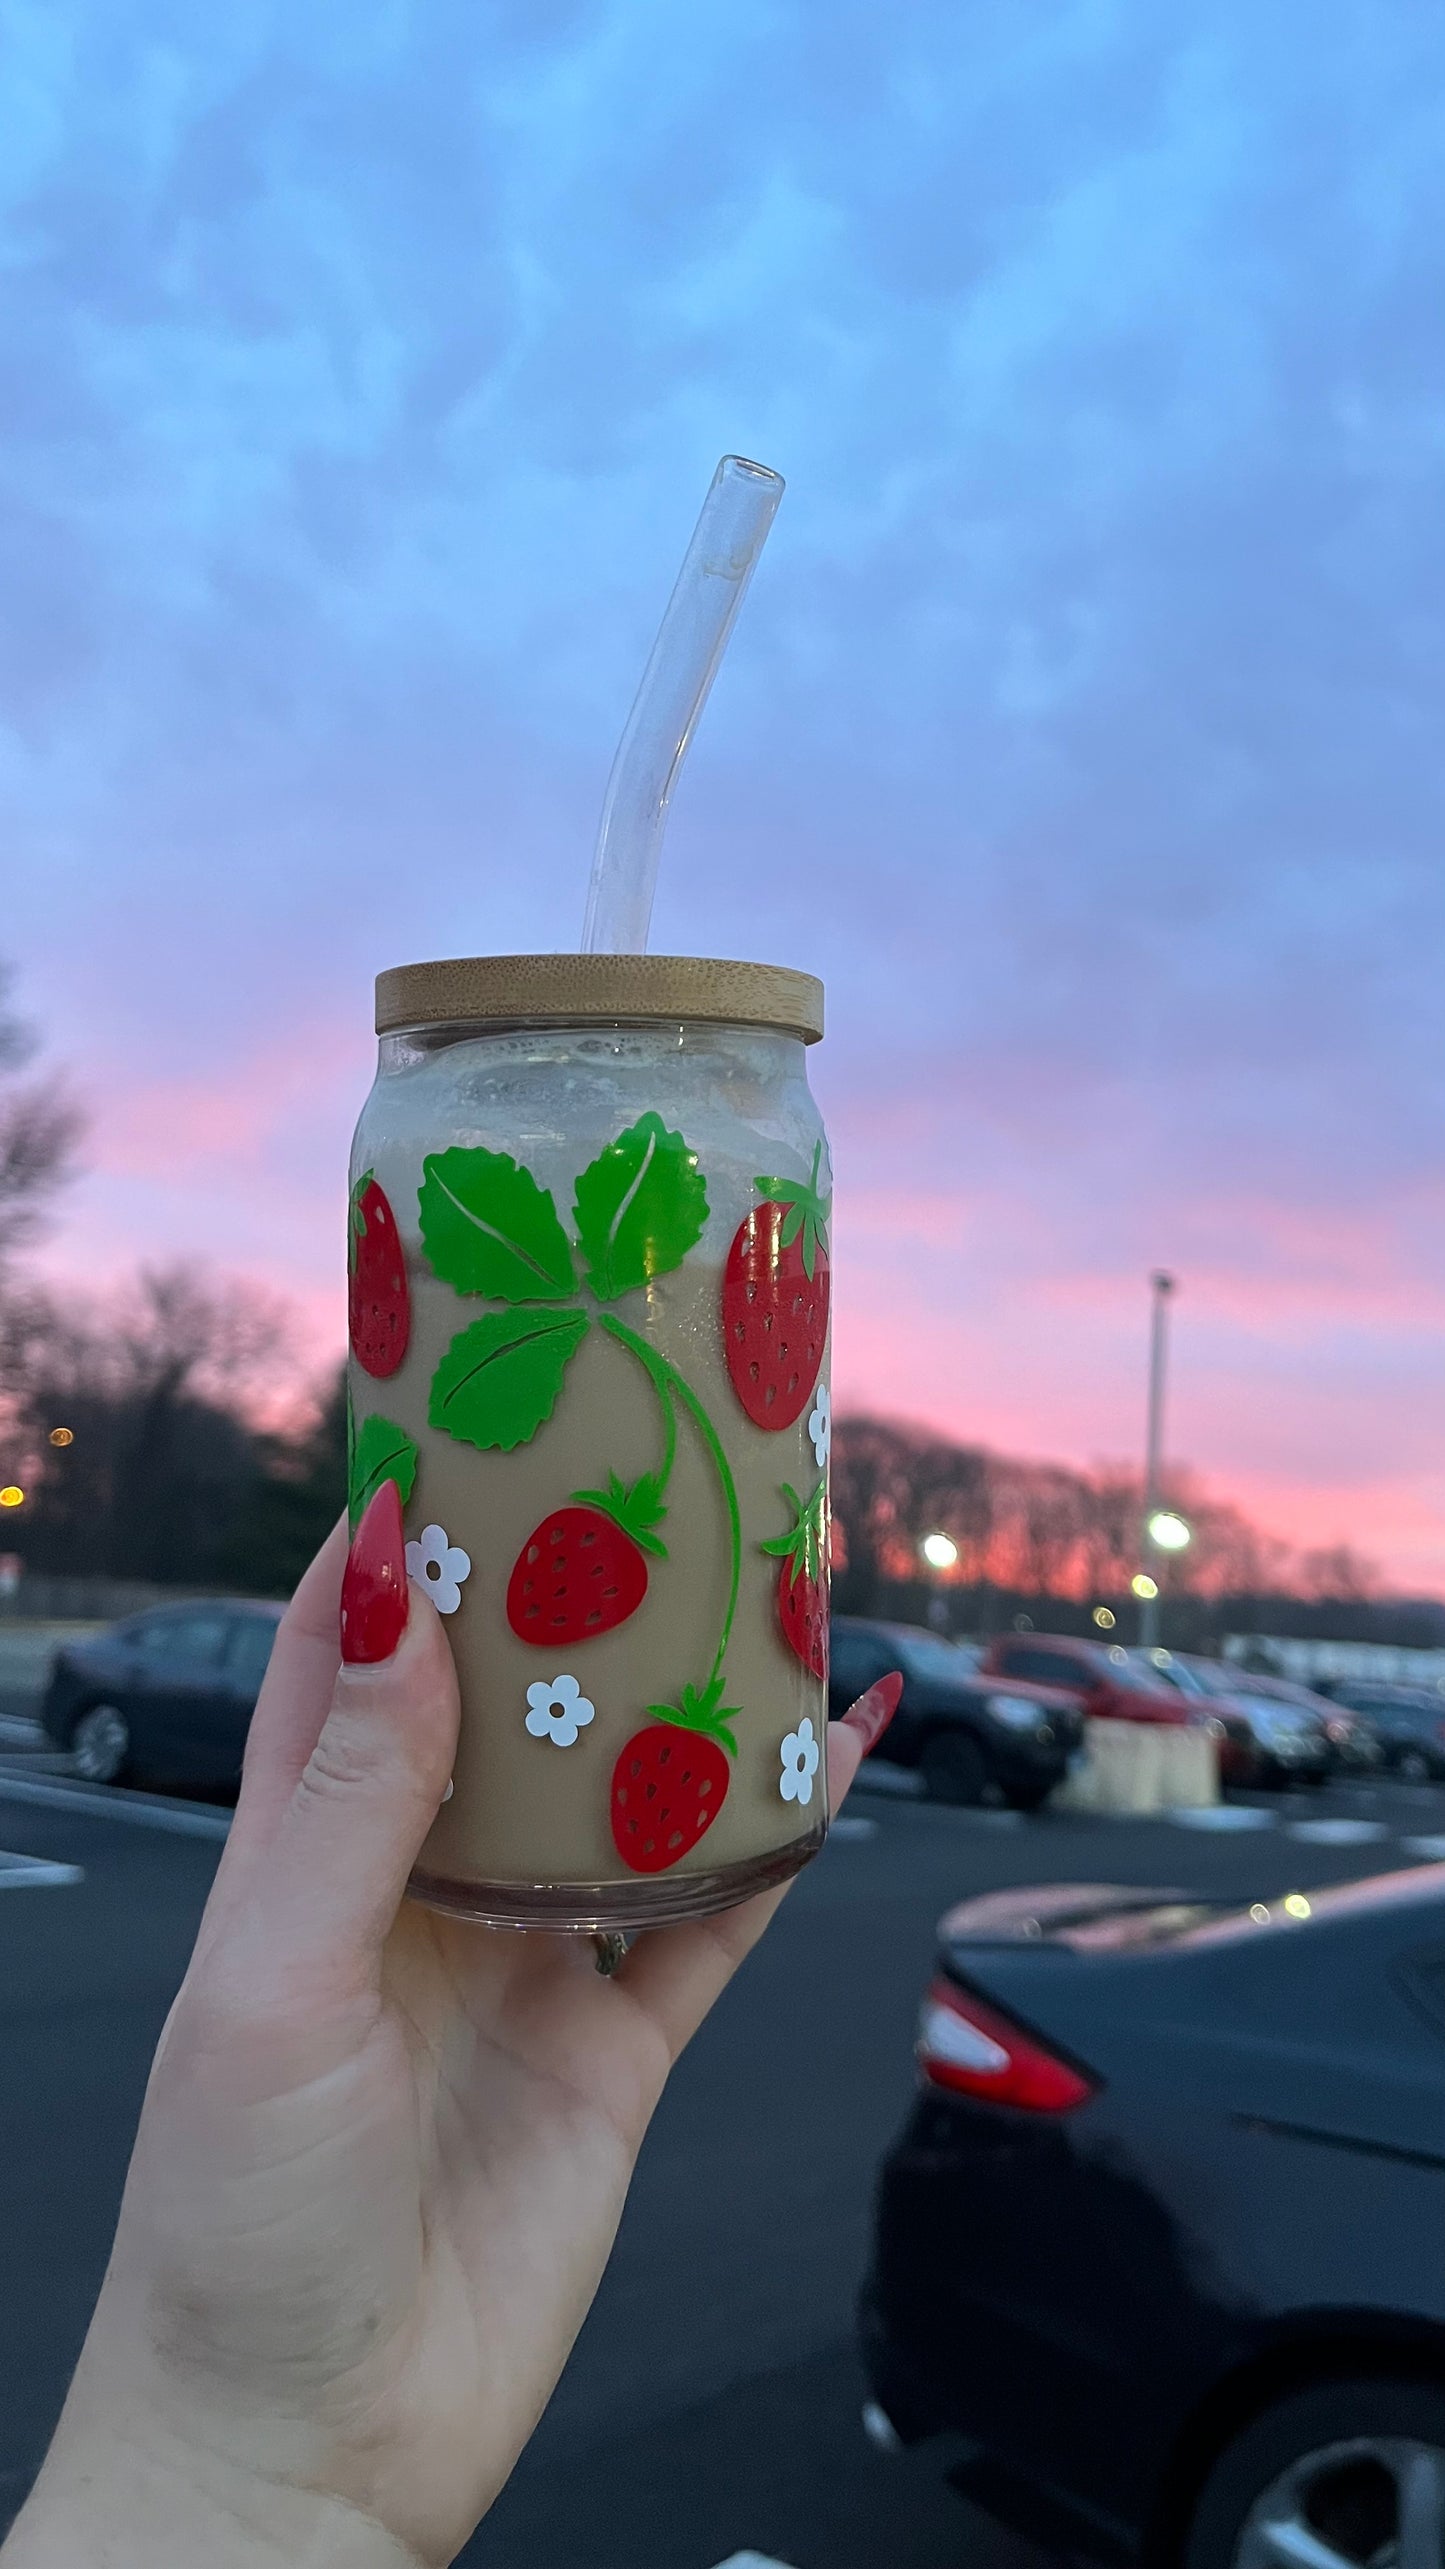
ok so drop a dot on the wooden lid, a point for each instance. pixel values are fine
(578, 989)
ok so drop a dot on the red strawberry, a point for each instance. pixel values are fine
(671, 1780)
(378, 1300)
(775, 1296)
(584, 1572)
(803, 1580)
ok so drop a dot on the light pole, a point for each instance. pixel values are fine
(1161, 1287)
(941, 1553)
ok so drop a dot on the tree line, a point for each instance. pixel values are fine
(143, 1433)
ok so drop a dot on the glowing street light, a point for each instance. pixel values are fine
(939, 1551)
(1104, 1618)
(11, 1496)
(1143, 1586)
(62, 1436)
(1169, 1531)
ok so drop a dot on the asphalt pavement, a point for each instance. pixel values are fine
(710, 2412)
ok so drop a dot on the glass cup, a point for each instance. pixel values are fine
(589, 1299)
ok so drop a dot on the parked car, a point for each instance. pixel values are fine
(1154, 2275)
(165, 1697)
(966, 1734)
(1105, 1678)
(1240, 1759)
(1286, 1727)
(1408, 1721)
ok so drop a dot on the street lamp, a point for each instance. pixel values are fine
(1169, 1531)
(1144, 1588)
(940, 1552)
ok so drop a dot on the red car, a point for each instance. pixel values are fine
(1109, 1684)
(1113, 1687)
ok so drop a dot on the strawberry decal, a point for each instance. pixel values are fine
(803, 1579)
(378, 1299)
(775, 1295)
(584, 1571)
(671, 1780)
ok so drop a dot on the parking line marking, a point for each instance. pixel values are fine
(1216, 1815)
(135, 1810)
(850, 1824)
(35, 1872)
(1337, 1832)
(1432, 1848)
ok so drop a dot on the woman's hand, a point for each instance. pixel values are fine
(382, 2156)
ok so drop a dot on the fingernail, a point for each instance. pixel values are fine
(873, 1712)
(373, 1590)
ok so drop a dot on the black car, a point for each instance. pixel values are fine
(163, 1698)
(1157, 2271)
(1408, 1721)
(968, 1736)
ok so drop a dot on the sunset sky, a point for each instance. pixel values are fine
(363, 368)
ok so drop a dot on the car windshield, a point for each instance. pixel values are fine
(926, 1654)
(1275, 1714)
(1136, 1680)
(1168, 1670)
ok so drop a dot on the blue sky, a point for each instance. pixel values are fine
(361, 374)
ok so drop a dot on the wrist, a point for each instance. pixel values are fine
(147, 2502)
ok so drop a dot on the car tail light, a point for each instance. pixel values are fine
(966, 2047)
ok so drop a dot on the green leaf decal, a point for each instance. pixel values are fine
(640, 1207)
(808, 1212)
(378, 1450)
(499, 1379)
(701, 1708)
(356, 1219)
(488, 1227)
(638, 1510)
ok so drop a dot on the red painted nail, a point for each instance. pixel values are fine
(373, 1591)
(873, 1712)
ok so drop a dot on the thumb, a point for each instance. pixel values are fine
(337, 1862)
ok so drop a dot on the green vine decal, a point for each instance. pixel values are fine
(699, 1709)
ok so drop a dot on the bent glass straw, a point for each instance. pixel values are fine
(691, 640)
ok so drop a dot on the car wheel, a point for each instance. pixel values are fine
(100, 1744)
(1415, 1766)
(1345, 2474)
(953, 1769)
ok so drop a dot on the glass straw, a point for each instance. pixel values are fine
(691, 640)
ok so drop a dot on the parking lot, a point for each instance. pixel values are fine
(711, 2408)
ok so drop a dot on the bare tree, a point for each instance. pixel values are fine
(1339, 1574)
(159, 1459)
(872, 1488)
(40, 1125)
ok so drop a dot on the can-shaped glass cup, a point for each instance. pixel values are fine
(589, 1292)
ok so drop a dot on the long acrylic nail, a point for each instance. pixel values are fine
(873, 1712)
(373, 1590)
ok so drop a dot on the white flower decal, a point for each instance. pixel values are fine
(441, 1566)
(800, 1764)
(557, 1710)
(820, 1425)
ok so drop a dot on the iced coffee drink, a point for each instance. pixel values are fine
(589, 1306)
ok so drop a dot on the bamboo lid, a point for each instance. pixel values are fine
(575, 989)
